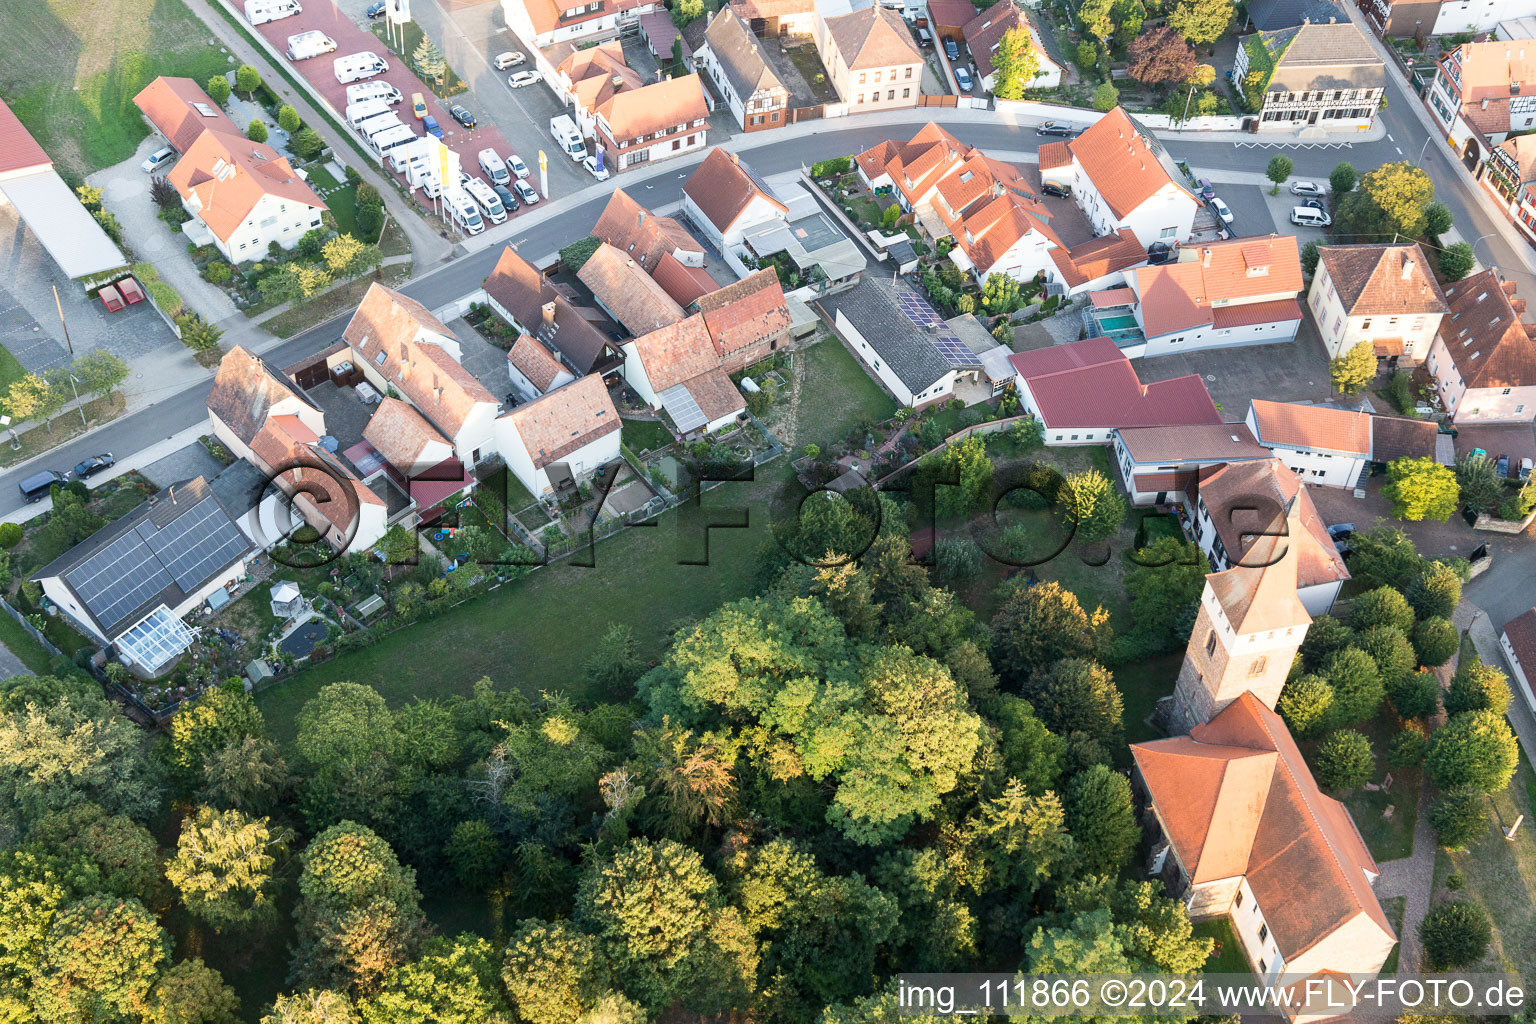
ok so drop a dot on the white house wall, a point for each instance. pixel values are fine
(272, 219)
(1518, 670)
(1167, 216)
(1226, 337)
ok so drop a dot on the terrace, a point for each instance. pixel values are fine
(1111, 315)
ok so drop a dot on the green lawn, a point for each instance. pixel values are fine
(1142, 684)
(1501, 875)
(1394, 908)
(72, 70)
(1228, 958)
(1387, 838)
(10, 371)
(641, 436)
(835, 394)
(343, 206)
(536, 633)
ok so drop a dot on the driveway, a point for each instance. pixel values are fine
(1293, 371)
(125, 192)
(29, 320)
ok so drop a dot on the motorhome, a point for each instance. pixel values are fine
(568, 137)
(310, 44)
(357, 113)
(378, 123)
(259, 12)
(464, 212)
(386, 140)
(365, 91)
(494, 167)
(358, 66)
(482, 194)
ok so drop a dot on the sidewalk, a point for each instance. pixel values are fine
(136, 460)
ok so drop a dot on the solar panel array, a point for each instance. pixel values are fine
(145, 560)
(916, 309)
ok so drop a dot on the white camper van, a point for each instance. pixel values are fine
(358, 66)
(482, 194)
(569, 139)
(357, 113)
(386, 140)
(310, 44)
(365, 91)
(378, 123)
(464, 212)
(494, 167)
(259, 12)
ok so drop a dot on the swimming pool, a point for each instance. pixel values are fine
(1117, 323)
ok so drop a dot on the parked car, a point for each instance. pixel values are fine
(600, 173)
(951, 50)
(963, 79)
(508, 59)
(507, 198)
(95, 464)
(375, 10)
(1339, 531)
(1525, 469)
(159, 158)
(1502, 467)
(461, 115)
(1316, 204)
(1306, 188)
(518, 79)
(38, 486)
(1207, 192)
(525, 192)
(517, 167)
(433, 128)
(1222, 210)
(1159, 253)
(1310, 217)
(1050, 188)
(418, 106)
(1479, 453)
(1052, 128)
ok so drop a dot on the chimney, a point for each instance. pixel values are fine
(549, 314)
(641, 221)
(1205, 260)
(1407, 268)
(933, 328)
(618, 82)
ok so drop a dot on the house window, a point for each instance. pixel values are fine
(1263, 932)
(1365, 324)
(1257, 668)
(877, 77)
(863, 78)
(1074, 437)
(908, 74)
(1237, 900)
(1263, 967)
(890, 94)
(906, 94)
(1210, 643)
(1506, 391)
(1168, 232)
(861, 97)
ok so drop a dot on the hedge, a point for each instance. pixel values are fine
(165, 297)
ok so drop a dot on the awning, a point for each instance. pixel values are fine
(683, 409)
(67, 230)
(1389, 346)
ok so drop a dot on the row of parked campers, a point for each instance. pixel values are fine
(359, 66)
(259, 12)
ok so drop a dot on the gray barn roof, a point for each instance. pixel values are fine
(906, 348)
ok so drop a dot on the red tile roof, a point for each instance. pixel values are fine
(1521, 633)
(624, 289)
(1236, 797)
(676, 353)
(1484, 337)
(1122, 165)
(168, 103)
(229, 200)
(1054, 154)
(522, 291)
(565, 420)
(684, 283)
(1091, 384)
(1251, 313)
(917, 165)
(1391, 280)
(597, 73)
(398, 432)
(722, 189)
(746, 313)
(658, 107)
(387, 331)
(1232, 490)
(547, 15)
(535, 362)
(1216, 442)
(1099, 257)
(1312, 426)
(245, 388)
(631, 228)
(873, 38)
(19, 151)
(1222, 280)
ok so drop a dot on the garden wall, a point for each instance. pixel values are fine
(1496, 525)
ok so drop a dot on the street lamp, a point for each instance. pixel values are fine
(1479, 239)
(1424, 150)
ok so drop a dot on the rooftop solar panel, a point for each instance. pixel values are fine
(118, 578)
(683, 408)
(195, 545)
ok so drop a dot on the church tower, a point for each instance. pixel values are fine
(1248, 629)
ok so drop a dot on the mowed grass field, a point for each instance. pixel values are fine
(71, 68)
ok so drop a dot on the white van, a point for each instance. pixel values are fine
(463, 211)
(568, 137)
(482, 194)
(365, 91)
(358, 66)
(357, 113)
(1308, 217)
(494, 167)
(310, 44)
(259, 12)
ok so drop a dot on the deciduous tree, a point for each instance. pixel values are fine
(1342, 179)
(1343, 760)
(218, 88)
(249, 775)
(99, 961)
(555, 973)
(1201, 21)
(1106, 97)
(1459, 818)
(1434, 641)
(1477, 687)
(1353, 369)
(453, 982)
(1457, 260)
(1161, 57)
(1416, 696)
(1421, 488)
(288, 119)
(1040, 625)
(192, 993)
(1310, 254)
(1455, 934)
(1357, 689)
(1482, 490)
(247, 80)
(256, 131)
(1475, 750)
(1435, 592)
(1078, 696)
(312, 1006)
(223, 867)
(1101, 817)
(1278, 170)
(1014, 64)
(1092, 504)
(1306, 704)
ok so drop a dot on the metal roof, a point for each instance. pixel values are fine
(67, 230)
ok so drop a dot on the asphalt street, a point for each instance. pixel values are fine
(1406, 139)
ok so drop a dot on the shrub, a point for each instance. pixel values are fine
(1436, 592)
(838, 165)
(1434, 641)
(1415, 696)
(1343, 760)
(164, 297)
(1406, 749)
(1105, 97)
(247, 80)
(256, 131)
(288, 119)
(1455, 934)
(1310, 254)
(575, 255)
(1459, 818)
(10, 535)
(1474, 749)
(145, 272)
(1383, 606)
(1306, 704)
(306, 143)
(957, 560)
(218, 272)
(218, 89)
(1400, 388)
(1478, 687)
